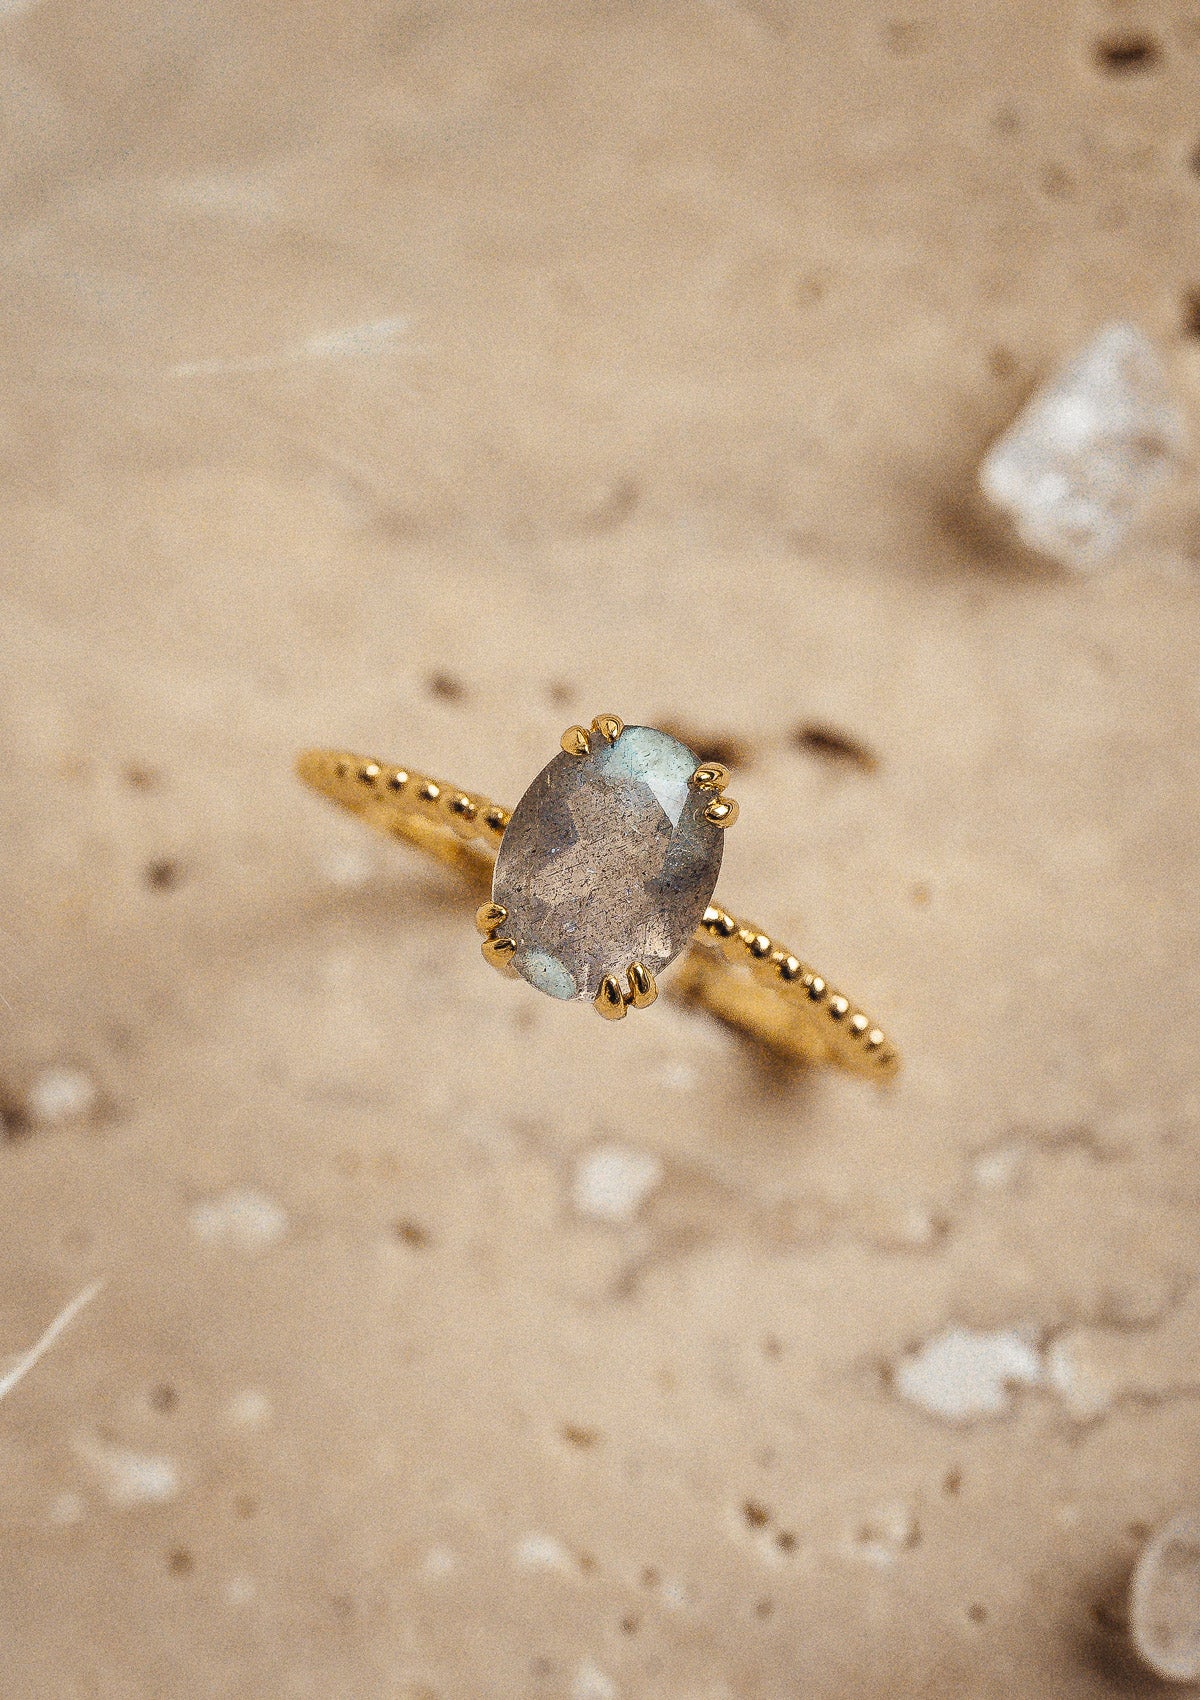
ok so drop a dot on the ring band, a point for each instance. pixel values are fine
(730, 967)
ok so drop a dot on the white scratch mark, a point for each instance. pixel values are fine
(65, 1317)
(368, 338)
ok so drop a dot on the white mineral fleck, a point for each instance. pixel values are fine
(128, 1477)
(244, 1219)
(240, 1589)
(890, 1530)
(250, 1408)
(440, 1561)
(543, 1552)
(961, 1374)
(61, 1093)
(612, 1182)
(591, 1683)
(1164, 1601)
(68, 1508)
(1088, 450)
(1078, 1375)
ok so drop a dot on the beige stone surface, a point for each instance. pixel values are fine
(423, 377)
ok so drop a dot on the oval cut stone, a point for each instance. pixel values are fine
(607, 860)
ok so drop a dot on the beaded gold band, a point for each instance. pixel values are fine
(731, 968)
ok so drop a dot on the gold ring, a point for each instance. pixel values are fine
(603, 875)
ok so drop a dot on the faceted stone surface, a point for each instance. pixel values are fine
(607, 860)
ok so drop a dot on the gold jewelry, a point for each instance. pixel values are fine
(639, 805)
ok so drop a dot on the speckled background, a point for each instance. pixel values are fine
(421, 378)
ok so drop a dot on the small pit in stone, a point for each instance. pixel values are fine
(1127, 52)
(164, 873)
(817, 738)
(578, 1434)
(180, 1562)
(445, 687)
(163, 1398)
(1191, 313)
(414, 1235)
(757, 1516)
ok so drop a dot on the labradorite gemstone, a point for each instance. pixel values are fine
(607, 860)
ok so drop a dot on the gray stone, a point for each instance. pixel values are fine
(607, 860)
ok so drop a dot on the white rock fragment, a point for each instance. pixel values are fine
(591, 1683)
(128, 1477)
(61, 1093)
(243, 1218)
(1164, 1601)
(612, 1182)
(1088, 450)
(961, 1374)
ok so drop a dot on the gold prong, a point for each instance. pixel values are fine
(710, 776)
(609, 726)
(722, 811)
(500, 952)
(576, 741)
(643, 988)
(490, 917)
(610, 1000)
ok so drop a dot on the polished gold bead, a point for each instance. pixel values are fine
(609, 726)
(397, 779)
(462, 813)
(369, 772)
(490, 916)
(642, 986)
(495, 819)
(838, 1007)
(576, 741)
(710, 776)
(859, 1024)
(718, 923)
(500, 952)
(428, 791)
(722, 811)
(610, 1000)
